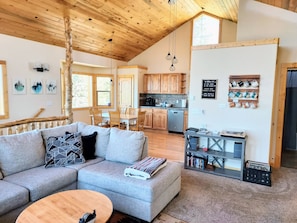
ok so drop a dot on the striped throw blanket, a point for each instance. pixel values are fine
(145, 168)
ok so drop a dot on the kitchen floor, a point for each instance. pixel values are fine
(164, 144)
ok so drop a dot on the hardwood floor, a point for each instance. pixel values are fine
(164, 144)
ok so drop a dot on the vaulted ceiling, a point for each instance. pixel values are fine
(133, 25)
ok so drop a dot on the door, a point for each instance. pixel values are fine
(289, 146)
(125, 90)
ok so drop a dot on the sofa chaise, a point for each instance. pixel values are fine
(93, 158)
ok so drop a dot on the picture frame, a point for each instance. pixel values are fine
(51, 86)
(19, 86)
(36, 86)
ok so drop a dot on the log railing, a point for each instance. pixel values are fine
(25, 125)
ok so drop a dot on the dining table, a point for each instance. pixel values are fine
(127, 118)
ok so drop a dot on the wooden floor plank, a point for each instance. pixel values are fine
(166, 145)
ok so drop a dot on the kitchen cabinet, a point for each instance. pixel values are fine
(160, 119)
(155, 118)
(148, 121)
(151, 83)
(167, 83)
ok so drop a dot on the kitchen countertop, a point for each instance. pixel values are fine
(160, 107)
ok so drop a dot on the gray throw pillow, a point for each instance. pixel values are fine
(64, 150)
(20, 152)
(125, 146)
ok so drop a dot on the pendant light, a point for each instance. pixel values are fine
(171, 55)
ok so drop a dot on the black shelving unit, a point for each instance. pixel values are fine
(209, 153)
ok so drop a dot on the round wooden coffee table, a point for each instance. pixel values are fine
(67, 206)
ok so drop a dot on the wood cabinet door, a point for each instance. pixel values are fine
(165, 87)
(174, 83)
(148, 121)
(155, 81)
(146, 83)
(160, 119)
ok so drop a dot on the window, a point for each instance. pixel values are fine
(206, 30)
(81, 91)
(104, 91)
(3, 91)
(91, 90)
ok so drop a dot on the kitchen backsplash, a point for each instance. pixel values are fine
(174, 99)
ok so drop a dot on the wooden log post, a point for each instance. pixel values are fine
(68, 70)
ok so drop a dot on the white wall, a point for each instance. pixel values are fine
(19, 55)
(215, 114)
(259, 21)
(154, 57)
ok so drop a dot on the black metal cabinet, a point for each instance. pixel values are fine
(215, 154)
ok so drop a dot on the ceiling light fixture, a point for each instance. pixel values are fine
(110, 54)
(171, 55)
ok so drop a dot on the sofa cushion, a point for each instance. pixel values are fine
(125, 146)
(42, 182)
(79, 166)
(102, 138)
(89, 142)
(58, 131)
(12, 196)
(64, 150)
(20, 152)
(109, 176)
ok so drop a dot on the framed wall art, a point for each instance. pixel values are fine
(36, 86)
(51, 86)
(19, 86)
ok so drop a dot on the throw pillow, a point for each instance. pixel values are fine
(102, 139)
(88, 143)
(58, 131)
(21, 152)
(64, 150)
(125, 146)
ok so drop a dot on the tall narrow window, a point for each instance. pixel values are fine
(206, 30)
(81, 91)
(104, 91)
(4, 114)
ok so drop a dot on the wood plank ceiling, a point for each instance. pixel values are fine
(133, 25)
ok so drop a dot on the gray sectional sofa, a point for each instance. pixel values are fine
(29, 170)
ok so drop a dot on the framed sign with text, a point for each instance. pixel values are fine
(209, 88)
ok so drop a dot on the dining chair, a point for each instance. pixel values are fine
(132, 111)
(122, 109)
(139, 125)
(115, 120)
(96, 117)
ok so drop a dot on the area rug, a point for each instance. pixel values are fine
(208, 198)
(118, 217)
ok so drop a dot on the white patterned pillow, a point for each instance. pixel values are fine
(64, 150)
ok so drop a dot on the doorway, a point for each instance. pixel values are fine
(125, 91)
(289, 141)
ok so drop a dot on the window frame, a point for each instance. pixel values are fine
(4, 90)
(94, 90)
(210, 15)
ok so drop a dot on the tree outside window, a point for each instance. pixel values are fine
(92, 90)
